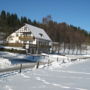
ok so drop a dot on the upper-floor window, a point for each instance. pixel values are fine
(16, 34)
(25, 28)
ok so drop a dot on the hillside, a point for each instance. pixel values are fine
(59, 32)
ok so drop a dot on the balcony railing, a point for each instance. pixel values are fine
(26, 38)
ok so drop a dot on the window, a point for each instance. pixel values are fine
(11, 37)
(30, 33)
(16, 34)
(41, 34)
(17, 41)
(25, 28)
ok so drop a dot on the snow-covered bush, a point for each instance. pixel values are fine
(4, 63)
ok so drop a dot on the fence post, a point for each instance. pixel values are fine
(37, 64)
(48, 61)
(33, 58)
(57, 59)
(63, 61)
(20, 68)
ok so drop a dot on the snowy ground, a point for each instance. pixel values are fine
(7, 58)
(15, 58)
(69, 72)
(4, 63)
(68, 76)
(15, 48)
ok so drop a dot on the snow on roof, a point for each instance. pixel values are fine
(37, 32)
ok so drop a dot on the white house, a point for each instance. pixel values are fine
(30, 37)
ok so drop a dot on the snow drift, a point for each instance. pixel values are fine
(4, 63)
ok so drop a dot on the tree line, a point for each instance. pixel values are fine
(70, 36)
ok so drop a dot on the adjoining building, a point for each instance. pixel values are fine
(34, 39)
(55, 47)
(2, 37)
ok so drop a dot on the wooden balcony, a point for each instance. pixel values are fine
(26, 38)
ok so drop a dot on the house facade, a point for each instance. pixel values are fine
(34, 39)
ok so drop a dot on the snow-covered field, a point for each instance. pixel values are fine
(68, 76)
(7, 59)
(69, 72)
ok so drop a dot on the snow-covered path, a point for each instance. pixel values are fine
(74, 76)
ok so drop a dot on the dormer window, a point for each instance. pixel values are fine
(41, 34)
